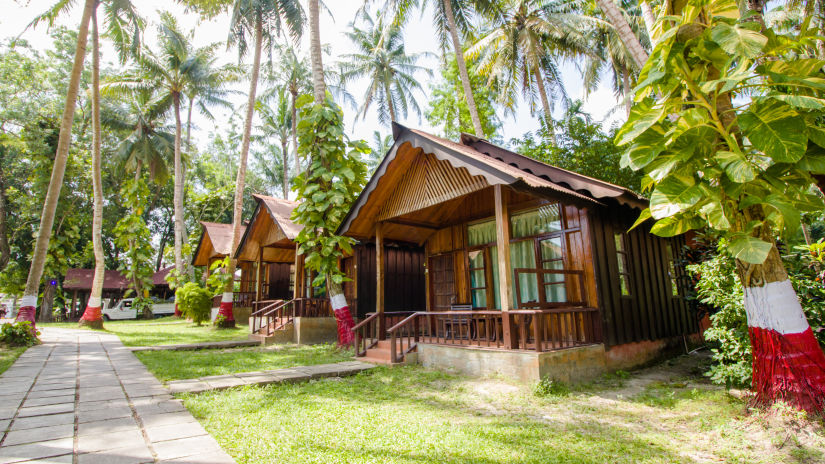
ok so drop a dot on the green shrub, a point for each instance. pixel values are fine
(550, 387)
(19, 333)
(728, 336)
(195, 302)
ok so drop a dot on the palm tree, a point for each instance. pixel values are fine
(380, 146)
(521, 46)
(615, 15)
(124, 26)
(176, 69)
(28, 305)
(609, 53)
(381, 58)
(319, 89)
(451, 17)
(210, 90)
(263, 19)
(277, 122)
(292, 72)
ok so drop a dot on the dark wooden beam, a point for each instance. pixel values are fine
(410, 223)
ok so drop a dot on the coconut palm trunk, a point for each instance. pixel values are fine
(626, 90)
(226, 299)
(294, 92)
(614, 15)
(319, 88)
(337, 299)
(545, 102)
(28, 305)
(92, 316)
(178, 193)
(462, 69)
(390, 106)
(649, 19)
(285, 154)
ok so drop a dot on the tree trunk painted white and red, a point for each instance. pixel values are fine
(343, 317)
(226, 300)
(29, 301)
(788, 363)
(92, 316)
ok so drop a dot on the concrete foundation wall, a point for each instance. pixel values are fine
(571, 365)
(631, 355)
(313, 330)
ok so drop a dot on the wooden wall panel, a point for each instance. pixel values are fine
(651, 312)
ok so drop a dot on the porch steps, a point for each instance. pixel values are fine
(379, 354)
(281, 332)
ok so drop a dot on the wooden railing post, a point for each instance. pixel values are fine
(538, 321)
(505, 279)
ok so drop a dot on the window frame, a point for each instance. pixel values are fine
(623, 274)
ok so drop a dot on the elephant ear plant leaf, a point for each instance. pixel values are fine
(727, 128)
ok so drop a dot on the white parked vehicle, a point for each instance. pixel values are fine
(124, 310)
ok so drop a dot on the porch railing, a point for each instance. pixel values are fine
(243, 299)
(374, 328)
(530, 330)
(271, 315)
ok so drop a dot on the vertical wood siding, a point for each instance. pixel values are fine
(403, 284)
(651, 311)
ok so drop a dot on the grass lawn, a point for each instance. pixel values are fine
(176, 365)
(414, 415)
(8, 355)
(164, 331)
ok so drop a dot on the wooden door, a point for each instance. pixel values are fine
(442, 282)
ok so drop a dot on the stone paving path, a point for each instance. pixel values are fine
(288, 375)
(198, 346)
(82, 397)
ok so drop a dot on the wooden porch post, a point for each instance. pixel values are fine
(505, 279)
(298, 289)
(259, 284)
(74, 300)
(379, 280)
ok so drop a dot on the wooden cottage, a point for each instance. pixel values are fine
(531, 270)
(214, 245)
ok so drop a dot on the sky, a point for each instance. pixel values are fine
(419, 34)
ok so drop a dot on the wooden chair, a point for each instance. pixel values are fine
(451, 325)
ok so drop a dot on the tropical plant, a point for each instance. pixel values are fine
(20, 333)
(133, 236)
(579, 146)
(195, 302)
(742, 168)
(335, 177)
(451, 18)
(522, 46)
(391, 72)
(449, 110)
(294, 73)
(262, 19)
(29, 303)
(381, 144)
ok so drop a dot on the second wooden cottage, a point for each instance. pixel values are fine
(531, 270)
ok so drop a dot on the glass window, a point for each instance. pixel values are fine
(481, 233)
(478, 278)
(539, 221)
(621, 258)
(671, 270)
(552, 257)
(522, 255)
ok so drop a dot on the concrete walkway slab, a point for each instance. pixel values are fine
(288, 375)
(82, 397)
(199, 346)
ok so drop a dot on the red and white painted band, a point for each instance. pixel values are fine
(775, 306)
(338, 302)
(28, 300)
(94, 302)
(227, 297)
